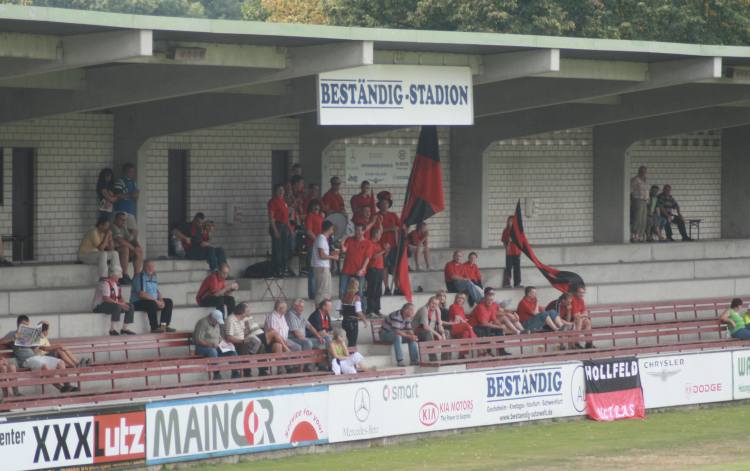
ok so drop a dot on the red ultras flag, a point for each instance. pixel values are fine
(613, 389)
(424, 197)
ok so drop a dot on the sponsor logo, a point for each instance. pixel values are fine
(400, 392)
(362, 404)
(743, 366)
(578, 389)
(663, 369)
(429, 414)
(119, 437)
(61, 442)
(611, 370)
(304, 426)
(706, 388)
(447, 411)
(524, 383)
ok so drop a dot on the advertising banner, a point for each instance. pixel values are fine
(690, 378)
(213, 426)
(613, 389)
(741, 373)
(449, 401)
(380, 165)
(396, 95)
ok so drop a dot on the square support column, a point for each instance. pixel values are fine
(735, 192)
(611, 188)
(467, 200)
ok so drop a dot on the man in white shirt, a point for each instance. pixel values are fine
(277, 330)
(638, 205)
(238, 332)
(321, 262)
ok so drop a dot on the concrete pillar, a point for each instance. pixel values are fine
(312, 143)
(611, 187)
(469, 212)
(735, 172)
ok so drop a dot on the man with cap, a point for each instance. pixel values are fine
(390, 224)
(208, 340)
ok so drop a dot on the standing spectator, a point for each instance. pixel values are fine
(36, 360)
(298, 325)
(281, 231)
(655, 221)
(321, 262)
(512, 256)
(365, 218)
(277, 330)
(313, 228)
(98, 248)
(638, 205)
(332, 201)
(320, 320)
(294, 171)
(363, 198)
(580, 313)
(127, 192)
(374, 275)
(108, 300)
(127, 246)
(532, 317)
(208, 340)
(341, 361)
(313, 194)
(737, 327)
(671, 212)
(105, 198)
(417, 238)
(472, 270)
(295, 199)
(241, 335)
(356, 250)
(145, 296)
(216, 292)
(351, 310)
(456, 280)
(397, 329)
(390, 222)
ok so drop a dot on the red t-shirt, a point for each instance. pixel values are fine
(510, 248)
(360, 200)
(456, 311)
(578, 306)
(314, 224)
(213, 283)
(389, 220)
(472, 272)
(278, 209)
(416, 238)
(483, 314)
(526, 308)
(356, 253)
(452, 269)
(332, 202)
(376, 262)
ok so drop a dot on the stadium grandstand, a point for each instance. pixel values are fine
(202, 122)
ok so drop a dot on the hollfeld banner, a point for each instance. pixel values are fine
(613, 389)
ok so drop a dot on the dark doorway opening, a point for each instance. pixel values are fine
(23, 203)
(177, 191)
(279, 167)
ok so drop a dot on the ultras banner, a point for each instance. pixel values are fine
(613, 389)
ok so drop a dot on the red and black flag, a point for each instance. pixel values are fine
(613, 389)
(424, 197)
(561, 280)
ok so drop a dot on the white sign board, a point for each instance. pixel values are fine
(396, 95)
(673, 380)
(380, 165)
(241, 423)
(741, 372)
(450, 401)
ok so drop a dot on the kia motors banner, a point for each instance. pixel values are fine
(689, 378)
(212, 426)
(396, 95)
(450, 401)
(613, 389)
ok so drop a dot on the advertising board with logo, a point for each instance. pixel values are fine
(107, 440)
(396, 95)
(232, 424)
(741, 374)
(673, 380)
(380, 165)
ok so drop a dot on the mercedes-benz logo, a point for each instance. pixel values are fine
(362, 404)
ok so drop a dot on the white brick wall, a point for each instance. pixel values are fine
(71, 150)
(228, 164)
(691, 163)
(333, 164)
(555, 170)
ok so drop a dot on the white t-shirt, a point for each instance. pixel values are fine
(321, 242)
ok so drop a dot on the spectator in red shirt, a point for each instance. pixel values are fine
(357, 251)
(533, 318)
(390, 222)
(375, 272)
(313, 193)
(313, 227)
(472, 270)
(456, 280)
(332, 201)
(296, 200)
(459, 325)
(216, 292)
(581, 318)
(365, 218)
(512, 257)
(281, 232)
(363, 198)
(484, 318)
(419, 238)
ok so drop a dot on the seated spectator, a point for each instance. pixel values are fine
(670, 210)
(737, 326)
(472, 270)
(277, 330)
(320, 320)
(397, 329)
(351, 310)
(35, 359)
(245, 338)
(442, 296)
(564, 307)
(197, 242)
(341, 361)
(8, 365)
(418, 238)
(459, 326)
(127, 246)
(98, 248)
(427, 322)
(655, 222)
(485, 318)
(208, 340)
(298, 325)
(105, 197)
(512, 257)
(58, 351)
(456, 280)
(108, 300)
(216, 292)
(580, 313)
(145, 296)
(4, 262)
(531, 316)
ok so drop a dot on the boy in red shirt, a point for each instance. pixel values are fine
(390, 224)
(512, 257)
(357, 252)
(419, 238)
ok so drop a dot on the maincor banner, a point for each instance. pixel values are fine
(689, 378)
(613, 389)
(741, 373)
(396, 95)
(106, 441)
(451, 401)
(214, 426)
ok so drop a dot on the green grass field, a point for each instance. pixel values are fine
(712, 439)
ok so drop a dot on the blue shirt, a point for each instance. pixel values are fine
(143, 282)
(125, 186)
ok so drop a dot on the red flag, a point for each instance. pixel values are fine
(424, 197)
(561, 280)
